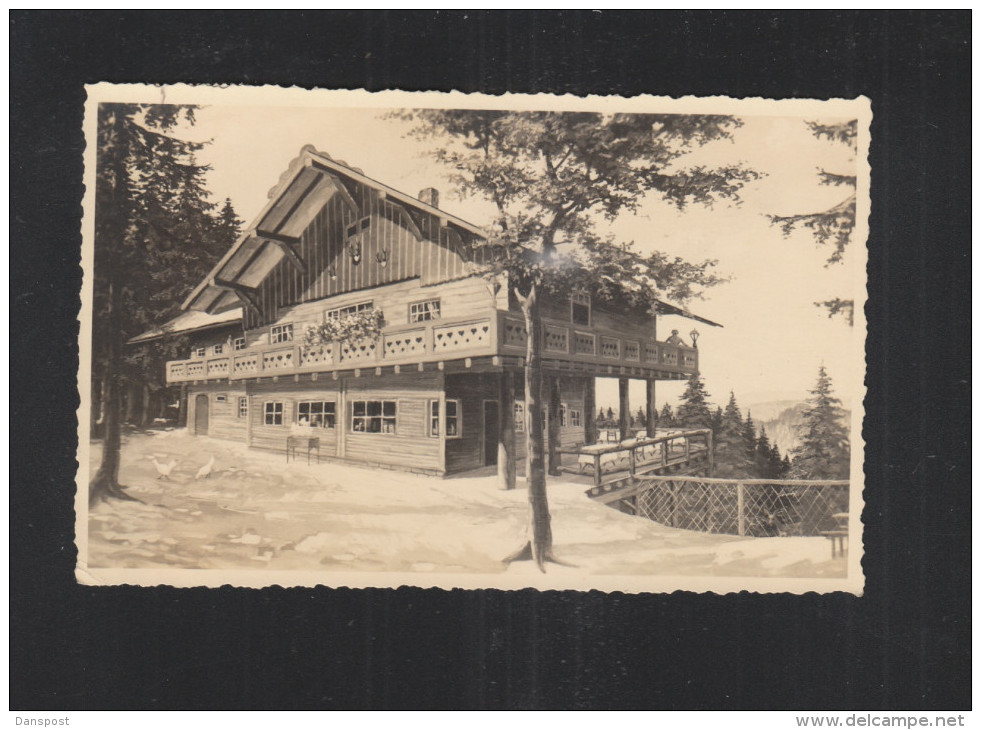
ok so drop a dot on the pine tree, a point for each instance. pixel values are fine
(640, 420)
(694, 411)
(824, 449)
(749, 439)
(666, 419)
(153, 221)
(731, 449)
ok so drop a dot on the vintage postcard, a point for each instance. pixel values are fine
(463, 341)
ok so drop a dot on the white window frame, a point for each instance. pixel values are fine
(218, 349)
(575, 417)
(441, 426)
(583, 299)
(238, 343)
(269, 415)
(281, 333)
(349, 310)
(221, 397)
(367, 417)
(199, 351)
(323, 413)
(243, 406)
(519, 416)
(428, 310)
(563, 415)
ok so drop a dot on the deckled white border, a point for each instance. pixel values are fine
(286, 97)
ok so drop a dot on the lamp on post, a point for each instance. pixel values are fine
(694, 338)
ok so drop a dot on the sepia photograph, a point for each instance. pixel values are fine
(392, 339)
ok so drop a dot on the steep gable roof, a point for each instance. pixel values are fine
(311, 180)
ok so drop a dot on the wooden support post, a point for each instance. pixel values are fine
(589, 409)
(741, 508)
(624, 409)
(651, 409)
(506, 466)
(711, 453)
(597, 475)
(554, 424)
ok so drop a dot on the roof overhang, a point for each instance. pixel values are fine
(311, 181)
(663, 307)
(190, 321)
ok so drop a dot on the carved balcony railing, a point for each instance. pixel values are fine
(496, 333)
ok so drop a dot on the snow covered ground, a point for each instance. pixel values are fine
(257, 511)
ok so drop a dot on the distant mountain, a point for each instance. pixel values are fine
(781, 419)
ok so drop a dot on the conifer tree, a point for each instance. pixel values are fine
(153, 227)
(824, 449)
(731, 451)
(694, 410)
(667, 418)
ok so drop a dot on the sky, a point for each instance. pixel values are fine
(773, 340)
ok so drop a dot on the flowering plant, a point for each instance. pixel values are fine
(347, 328)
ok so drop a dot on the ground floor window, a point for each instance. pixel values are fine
(319, 414)
(563, 415)
(575, 417)
(374, 416)
(273, 413)
(243, 407)
(453, 413)
(519, 416)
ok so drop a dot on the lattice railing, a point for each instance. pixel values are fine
(631, 350)
(610, 347)
(759, 508)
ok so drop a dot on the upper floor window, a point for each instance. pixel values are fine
(238, 343)
(581, 309)
(424, 311)
(281, 333)
(218, 349)
(349, 310)
(199, 352)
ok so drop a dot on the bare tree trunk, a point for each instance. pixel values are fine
(651, 409)
(589, 410)
(145, 416)
(624, 409)
(539, 548)
(95, 414)
(554, 425)
(105, 484)
(506, 471)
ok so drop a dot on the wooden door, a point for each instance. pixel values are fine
(491, 432)
(201, 415)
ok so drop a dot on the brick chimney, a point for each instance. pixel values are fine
(429, 196)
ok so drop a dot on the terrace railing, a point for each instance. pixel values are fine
(612, 465)
(750, 507)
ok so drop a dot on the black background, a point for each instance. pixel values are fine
(905, 644)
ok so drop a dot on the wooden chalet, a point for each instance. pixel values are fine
(433, 393)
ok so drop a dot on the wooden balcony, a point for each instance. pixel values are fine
(498, 334)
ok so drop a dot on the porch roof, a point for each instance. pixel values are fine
(189, 321)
